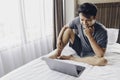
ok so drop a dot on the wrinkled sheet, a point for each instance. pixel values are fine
(38, 69)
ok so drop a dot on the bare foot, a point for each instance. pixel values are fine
(56, 54)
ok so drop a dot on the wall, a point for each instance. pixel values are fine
(70, 10)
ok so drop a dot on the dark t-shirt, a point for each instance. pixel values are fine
(99, 34)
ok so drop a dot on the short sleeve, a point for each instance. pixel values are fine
(102, 39)
(73, 23)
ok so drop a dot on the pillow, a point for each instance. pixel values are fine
(115, 48)
(112, 35)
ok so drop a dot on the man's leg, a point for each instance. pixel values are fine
(92, 60)
(68, 35)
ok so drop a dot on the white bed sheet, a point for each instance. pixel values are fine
(38, 70)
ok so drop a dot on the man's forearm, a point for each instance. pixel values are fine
(96, 48)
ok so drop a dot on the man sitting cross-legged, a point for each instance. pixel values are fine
(86, 36)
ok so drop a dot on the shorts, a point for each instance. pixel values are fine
(76, 45)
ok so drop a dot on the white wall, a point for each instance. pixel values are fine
(97, 1)
(70, 10)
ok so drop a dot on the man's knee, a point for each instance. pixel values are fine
(70, 33)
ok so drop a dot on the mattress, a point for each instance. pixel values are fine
(38, 69)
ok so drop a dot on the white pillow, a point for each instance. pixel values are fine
(112, 35)
(115, 48)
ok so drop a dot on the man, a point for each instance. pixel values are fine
(86, 36)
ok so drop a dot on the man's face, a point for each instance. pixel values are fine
(87, 22)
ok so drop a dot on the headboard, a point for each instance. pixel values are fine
(109, 15)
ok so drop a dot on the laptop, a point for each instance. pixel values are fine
(67, 68)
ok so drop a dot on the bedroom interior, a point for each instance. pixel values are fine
(34, 68)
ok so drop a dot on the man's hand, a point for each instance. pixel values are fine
(88, 31)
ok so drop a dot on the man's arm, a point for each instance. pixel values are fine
(59, 39)
(96, 48)
(99, 51)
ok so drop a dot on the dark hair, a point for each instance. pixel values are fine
(88, 9)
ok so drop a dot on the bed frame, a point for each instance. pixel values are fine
(118, 41)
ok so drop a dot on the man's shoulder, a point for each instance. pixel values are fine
(76, 20)
(74, 23)
(100, 27)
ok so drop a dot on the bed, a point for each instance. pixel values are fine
(38, 69)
